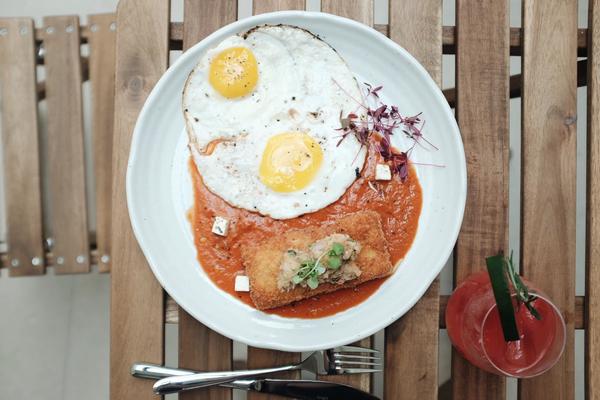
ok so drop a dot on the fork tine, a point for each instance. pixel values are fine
(358, 370)
(351, 356)
(357, 363)
(354, 349)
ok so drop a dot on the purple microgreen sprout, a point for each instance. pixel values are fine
(385, 120)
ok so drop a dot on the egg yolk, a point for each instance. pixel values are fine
(290, 161)
(234, 72)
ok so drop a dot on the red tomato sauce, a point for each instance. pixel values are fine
(398, 203)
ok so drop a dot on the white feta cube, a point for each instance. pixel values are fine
(383, 172)
(242, 283)
(220, 226)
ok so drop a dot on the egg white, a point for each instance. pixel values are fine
(304, 86)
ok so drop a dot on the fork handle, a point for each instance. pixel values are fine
(174, 384)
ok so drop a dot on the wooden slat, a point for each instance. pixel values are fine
(203, 349)
(359, 10)
(137, 302)
(259, 358)
(66, 165)
(199, 347)
(592, 284)
(172, 311)
(362, 11)
(516, 80)
(482, 113)
(448, 36)
(209, 15)
(21, 147)
(264, 6)
(549, 110)
(411, 343)
(102, 42)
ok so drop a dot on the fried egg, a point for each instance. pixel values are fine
(263, 112)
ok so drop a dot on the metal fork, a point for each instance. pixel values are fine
(338, 361)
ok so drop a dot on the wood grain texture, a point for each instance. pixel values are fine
(205, 16)
(448, 38)
(66, 165)
(199, 347)
(259, 358)
(592, 285)
(549, 110)
(264, 6)
(411, 343)
(21, 147)
(137, 302)
(102, 42)
(203, 349)
(362, 11)
(482, 111)
(359, 10)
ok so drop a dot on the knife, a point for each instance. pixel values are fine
(303, 389)
(300, 389)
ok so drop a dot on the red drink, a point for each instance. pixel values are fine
(473, 324)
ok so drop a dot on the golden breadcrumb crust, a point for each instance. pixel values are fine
(263, 260)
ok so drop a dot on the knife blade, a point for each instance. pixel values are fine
(304, 389)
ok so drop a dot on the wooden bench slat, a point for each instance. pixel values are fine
(21, 147)
(259, 358)
(362, 11)
(262, 358)
(137, 300)
(264, 6)
(65, 157)
(411, 343)
(359, 10)
(201, 348)
(448, 38)
(482, 112)
(102, 42)
(210, 14)
(549, 110)
(592, 284)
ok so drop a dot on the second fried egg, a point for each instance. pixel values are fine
(263, 114)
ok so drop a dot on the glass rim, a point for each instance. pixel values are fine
(562, 347)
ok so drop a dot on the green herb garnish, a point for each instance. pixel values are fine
(522, 292)
(337, 249)
(310, 270)
(334, 262)
(502, 271)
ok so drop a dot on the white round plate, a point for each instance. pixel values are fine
(159, 192)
